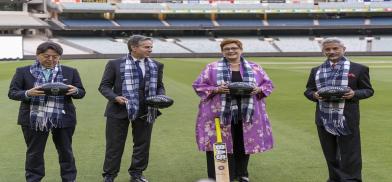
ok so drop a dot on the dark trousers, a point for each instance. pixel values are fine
(342, 154)
(116, 135)
(238, 161)
(36, 142)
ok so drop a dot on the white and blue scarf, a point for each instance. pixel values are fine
(332, 112)
(229, 107)
(130, 86)
(46, 111)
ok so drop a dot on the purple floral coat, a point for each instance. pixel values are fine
(257, 134)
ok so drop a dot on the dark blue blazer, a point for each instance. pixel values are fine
(23, 80)
(358, 81)
(111, 87)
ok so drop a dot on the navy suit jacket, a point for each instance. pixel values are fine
(111, 87)
(358, 81)
(23, 80)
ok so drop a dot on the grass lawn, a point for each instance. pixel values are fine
(297, 155)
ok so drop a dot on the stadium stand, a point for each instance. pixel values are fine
(87, 23)
(381, 21)
(382, 44)
(86, 7)
(290, 22)
(236, 23)
(140, 23)
(30, 46)
(342, 22)
(199, 44)
(16, 19)
(100, 45)
(86, 29)
(201, 23)
(139, 8)
(254, 45)
(297, 44)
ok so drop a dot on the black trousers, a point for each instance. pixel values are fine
(116, 135)
(36, 142)
(238, 161)
(342, 154)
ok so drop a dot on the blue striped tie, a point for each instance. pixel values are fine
(139, 70)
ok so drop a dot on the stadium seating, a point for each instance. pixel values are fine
(190, 23)
(30, 46)
(88, 23)
(102, 45)
(297, 44)
(381, 21)
(383, 44)
(253, 44)
(290, 22)
(199, 44)
(140, 23)
(83, 7)
(20, 20)
(342, 22)
(240, 22)
(354, 43)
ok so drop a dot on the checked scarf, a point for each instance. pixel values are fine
(46, 111)
(130, 86)
(332, 112)
(229, 107)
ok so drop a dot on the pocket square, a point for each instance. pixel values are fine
(351, 75)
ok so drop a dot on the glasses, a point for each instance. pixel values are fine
(227, 49)
(47, 56)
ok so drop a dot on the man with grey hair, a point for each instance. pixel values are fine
(338, 120)
(126, 82)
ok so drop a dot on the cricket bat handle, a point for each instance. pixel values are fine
(218, 130)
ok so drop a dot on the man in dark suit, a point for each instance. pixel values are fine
(40, 114)
(126, 83)
(338, 121)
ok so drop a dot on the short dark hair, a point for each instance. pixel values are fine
(134, 40)
(43, 47)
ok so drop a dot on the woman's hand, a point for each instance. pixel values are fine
(221, 89)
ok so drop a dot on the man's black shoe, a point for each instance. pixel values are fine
(243, 179)
(108, 179)
(138, 179)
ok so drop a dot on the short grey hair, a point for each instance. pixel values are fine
(135, 40)
(332, 40)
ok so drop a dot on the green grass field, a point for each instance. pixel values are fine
(297, 155)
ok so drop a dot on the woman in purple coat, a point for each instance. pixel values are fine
(244, 121)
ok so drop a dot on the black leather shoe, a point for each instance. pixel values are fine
(108, 179)
(243, 179)
(138, 179)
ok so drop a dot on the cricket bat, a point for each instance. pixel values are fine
(220, 156)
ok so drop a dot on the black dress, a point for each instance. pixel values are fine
(238, 161)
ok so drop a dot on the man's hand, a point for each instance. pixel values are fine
(121, 100)
(256, 90)
(72, 90)
(222, 89)
(317, 96)
(35, 92)
(349, 94)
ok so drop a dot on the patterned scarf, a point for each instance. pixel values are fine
(45, 111)
(130, 86)
(229, 107)
(332, 112)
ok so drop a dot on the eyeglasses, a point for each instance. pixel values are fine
(227, 49)
(47, 56)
